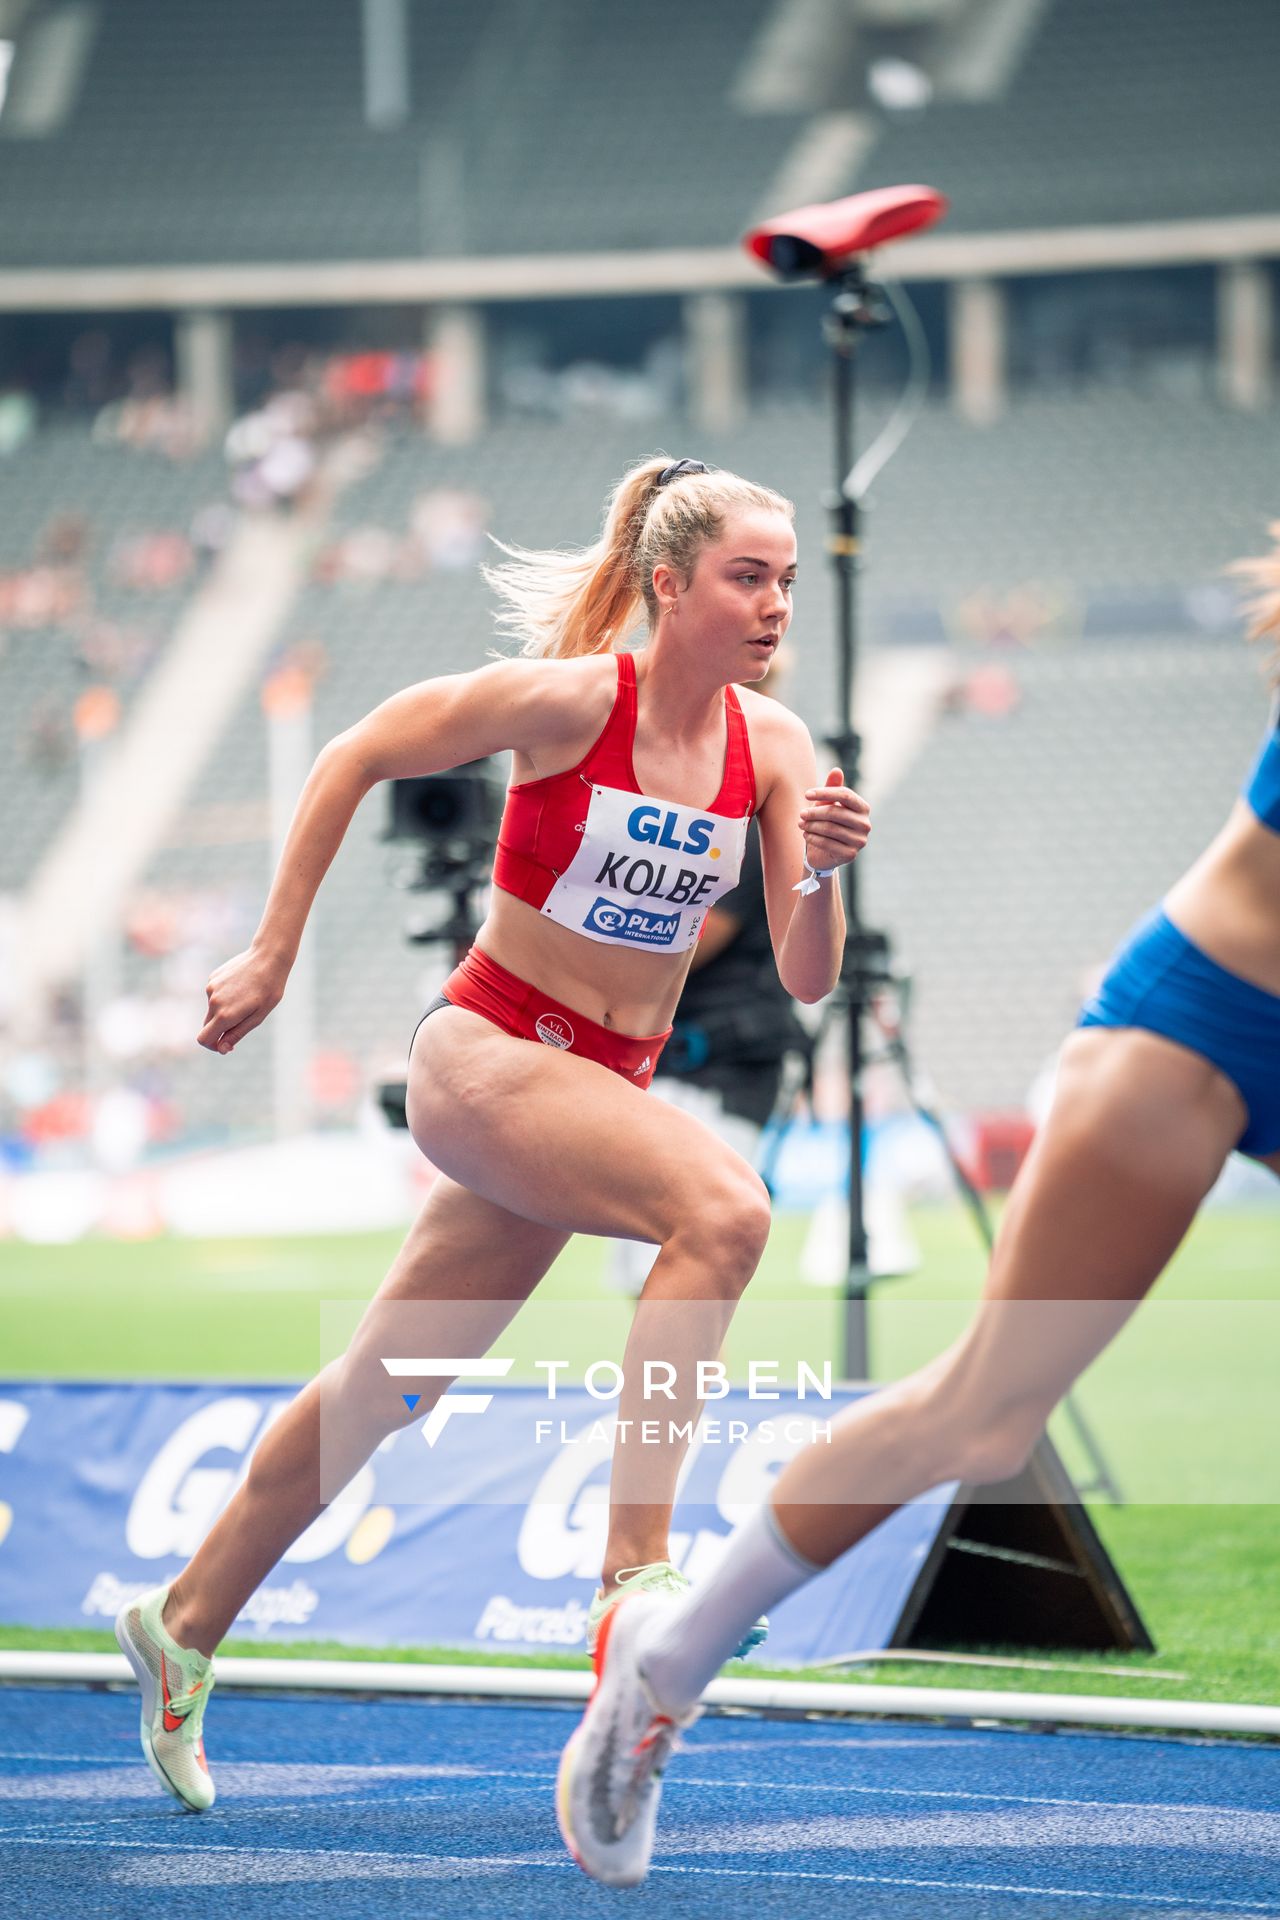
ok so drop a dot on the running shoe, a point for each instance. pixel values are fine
(610, 1778)
(663, 1578)
(176, 1683)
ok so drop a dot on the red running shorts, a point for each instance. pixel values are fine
(481, 986)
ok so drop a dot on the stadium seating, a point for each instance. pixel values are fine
(1016, 852)
(236, 133)
(1142, 110)
(110, 630)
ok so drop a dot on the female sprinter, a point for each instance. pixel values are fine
(1176, 1063)
(634, 778)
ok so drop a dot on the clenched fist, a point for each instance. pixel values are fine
(241, 994)
(835, 822)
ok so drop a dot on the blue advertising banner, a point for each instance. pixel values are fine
(107, 1490)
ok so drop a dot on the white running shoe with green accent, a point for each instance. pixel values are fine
(176, 1683)
(660, 1577)
(610, 1778)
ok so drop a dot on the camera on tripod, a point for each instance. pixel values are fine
(451, 820)
(447, 824)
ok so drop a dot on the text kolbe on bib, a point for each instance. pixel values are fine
(647, 871)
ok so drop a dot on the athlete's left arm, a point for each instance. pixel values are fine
(803, 818)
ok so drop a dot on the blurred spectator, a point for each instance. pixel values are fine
(1014, 619)
(152, 562)
(49, 742)
(40, 597)
(211, 529)
(109, 651)
(120, 1128)
(375, 385)
(991, 691)
(365, 554)
(630, 394)
(92, 379)
(272, 454)
(446, 533)
(18, 415)
(448, 527)
(150, 422)
(64, 541)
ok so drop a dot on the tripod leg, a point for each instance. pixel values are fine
(784, 1107)
(1103, 1481)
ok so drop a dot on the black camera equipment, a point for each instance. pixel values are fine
(447, 823)
(451, 819)
(827, 243)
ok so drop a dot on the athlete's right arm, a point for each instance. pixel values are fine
(436, 724)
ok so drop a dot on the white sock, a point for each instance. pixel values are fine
(689, 1641)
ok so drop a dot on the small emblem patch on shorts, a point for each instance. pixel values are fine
(553, 1031)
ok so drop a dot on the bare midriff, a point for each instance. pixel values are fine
(1228, 904)
(634, 993)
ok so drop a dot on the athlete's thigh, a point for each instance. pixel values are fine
(1137, 1134)
(560, 1140)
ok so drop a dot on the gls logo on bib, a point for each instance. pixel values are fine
(658, 897)
(654, 829)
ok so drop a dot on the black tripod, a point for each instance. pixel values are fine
(866, 969)
(864, 966)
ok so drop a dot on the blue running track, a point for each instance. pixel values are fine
(387, 1807)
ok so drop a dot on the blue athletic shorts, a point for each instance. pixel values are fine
(1160, 981)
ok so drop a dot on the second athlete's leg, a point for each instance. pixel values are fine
(1138, 1133)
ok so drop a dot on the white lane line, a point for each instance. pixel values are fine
(463, 1866)
(912, 1792)
(463, 1774)
(961, 1793)
(73, 1824)
(1188, 1901)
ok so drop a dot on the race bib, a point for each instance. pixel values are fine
(647, 872)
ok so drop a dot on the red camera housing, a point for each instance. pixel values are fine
(820, 241)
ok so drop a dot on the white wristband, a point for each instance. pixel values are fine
(814, 876)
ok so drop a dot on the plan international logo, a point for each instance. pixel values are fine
(632, 923)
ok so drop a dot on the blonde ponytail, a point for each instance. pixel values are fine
(561, 604)
(1262, 608)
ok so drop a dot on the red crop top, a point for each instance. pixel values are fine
(577, 846)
